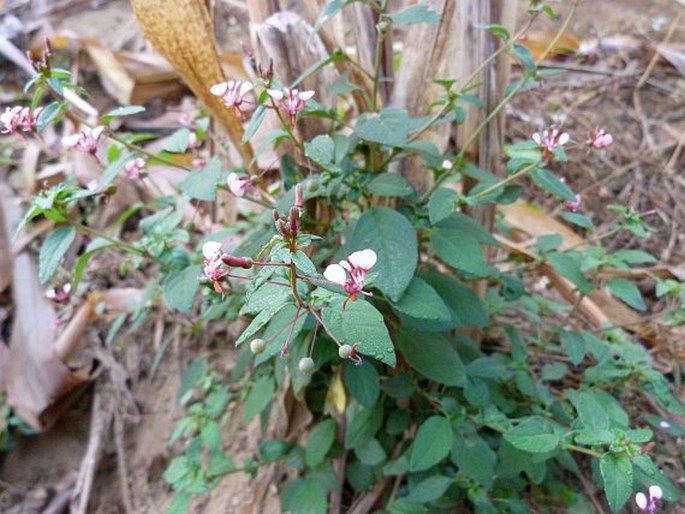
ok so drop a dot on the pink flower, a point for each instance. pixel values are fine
(239, 185)
(351, 273)
(233, 93)
(213, 268)
(291, 100)
(649, 505)
(10, 120)
(134, 168)
(86, 141)
(600, 139)
(59, 294)
(549, 140)
(573, 205)
(18, 117)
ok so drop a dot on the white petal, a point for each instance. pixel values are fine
(345, 265)
(336, 274)
(537, 138)
(219, 89)
(305, 95)
(655, 492)
(97, 131)
(364, 259)
(245, 87)
(564, 138)
(275, 94)
(641, 500)
(211, 250)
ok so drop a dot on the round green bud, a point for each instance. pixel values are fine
(306, 365)
(345, 351)
(257, 346)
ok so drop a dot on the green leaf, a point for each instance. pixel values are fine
(390, 184)
(49, 114)
(272, 450)
(403, 506)
(259, 397)
(551, 183)
(320, 440)
(176, 470)
(591, 412)
(467, 307)
(434, 356)
(371, 453)
(393, 239)
(54, 247)
(263, 318)
(431, 444)
(202, 184)
(113, 169)
(362, 424)
(634, 257)
(419, 13)
(617, 475)
(568, 265)
(304, 496)
(361, 324)
(389, 127)
(627, 292)
(127, 110)
(441, 204)
(420, 301)
(498, 30)
(460, 251)
(575, 346)
(474, 458)
(524, 55)
(303, 263)
(533, 435)
(363, 382)
(429, 489)
(180, 288)
(554, 371)
(578, 219)
(211, 435)
(178, 141)
(321, 150)
(180, 504)
(255, 122)
(332, 8)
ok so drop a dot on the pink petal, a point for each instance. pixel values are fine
(364, 259)
(537, 138)
(655, 492)
(336, 274)
(237, 184)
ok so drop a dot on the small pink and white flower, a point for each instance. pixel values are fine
(233, 93)
(239, 185)
(351, 273)
(600, 139)
(291, 100)
(17, 117)
(649, 504)
(573, 205)
(59, 294)
(214, 269)
(86, 141)
(549, 140)
(134, 168)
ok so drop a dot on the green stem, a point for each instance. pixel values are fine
(120, 244)
(504, 181)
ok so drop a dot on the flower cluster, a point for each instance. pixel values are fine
(234, 94)
(291, 100)
(213, 269)
(351, 272)
(649, 504)
(86, 141)
(600, 139)
(18, 118)
(134, 168)
(549, 140)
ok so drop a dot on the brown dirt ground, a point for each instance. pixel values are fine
(639, 169)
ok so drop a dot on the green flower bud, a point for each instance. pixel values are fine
(306, 365)
(257, 346)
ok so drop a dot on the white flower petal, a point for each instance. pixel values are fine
(71, 140)
(655, 492)
(364, 259)
(336, 274)
(641, 500)
(211, 250)
(305, 95)
(275, 94)
(564, 138)
(244, 88)
(219, 89)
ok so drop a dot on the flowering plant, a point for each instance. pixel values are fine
(376, 302)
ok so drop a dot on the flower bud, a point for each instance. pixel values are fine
(294, 219)
(237, 262)
(298, 196)
(306, 365)
(276, 215)
(257, 346)
(345, 351)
